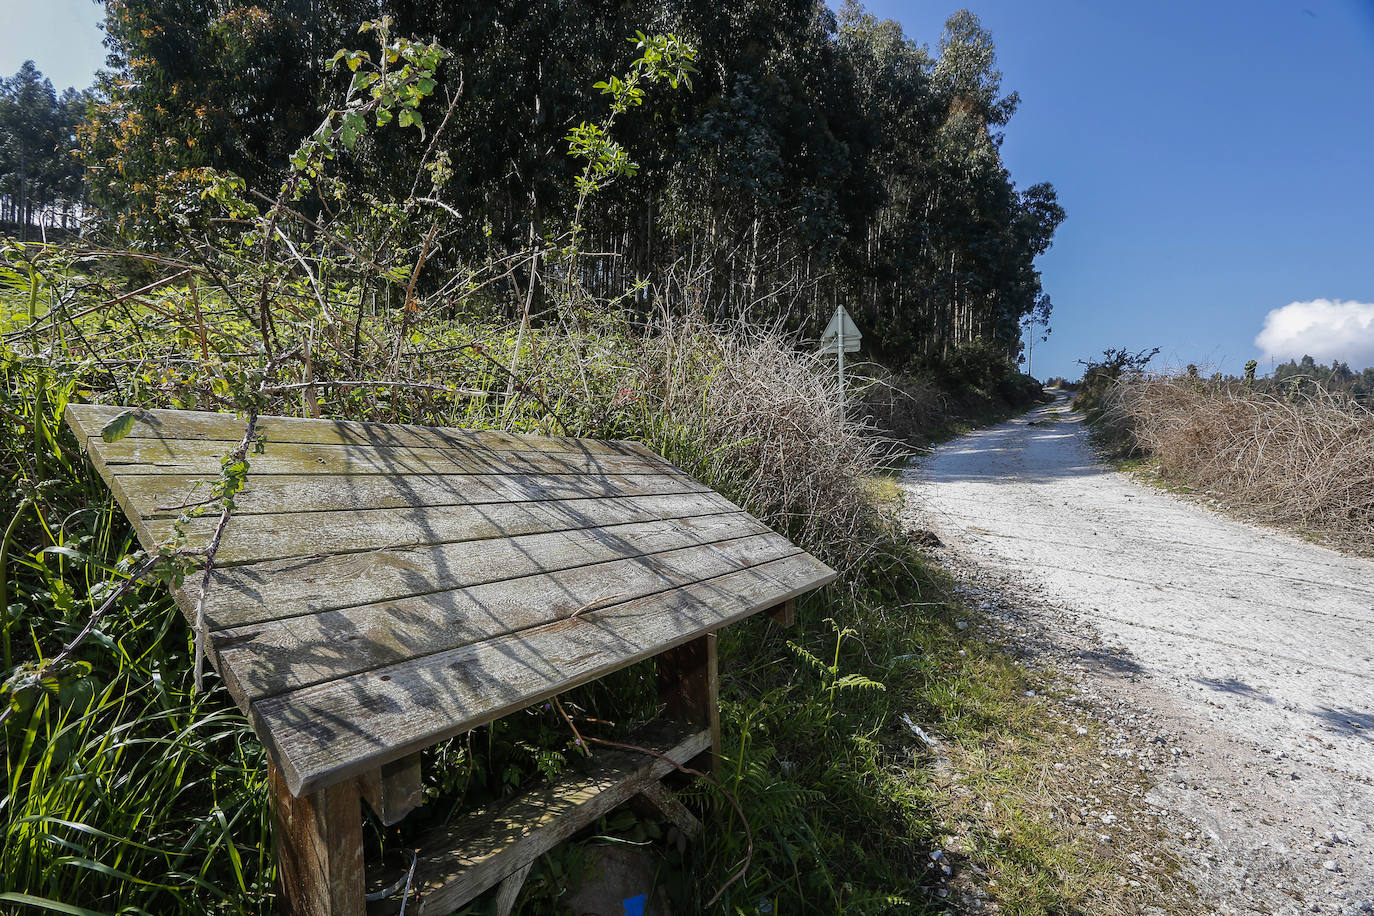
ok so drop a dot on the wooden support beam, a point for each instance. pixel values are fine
(508, 891)
(785, 613)
(319, 849)
(688, 680)
(394, 790)
(663, 803)
(487, 847)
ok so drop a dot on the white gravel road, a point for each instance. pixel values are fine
(1258, 648)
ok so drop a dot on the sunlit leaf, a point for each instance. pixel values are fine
(120, 426)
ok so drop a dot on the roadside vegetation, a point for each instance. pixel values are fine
(130, 790)
(975, 385)
(1290, 453)
(127, 789)
(342, 283)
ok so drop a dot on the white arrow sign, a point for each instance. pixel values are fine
(841, 336)
(841, 332)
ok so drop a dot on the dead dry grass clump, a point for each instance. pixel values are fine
(1306, 461)
(744, 410)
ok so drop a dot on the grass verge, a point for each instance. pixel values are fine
(905, 762)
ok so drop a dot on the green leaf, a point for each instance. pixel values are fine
(353, 126)
(120, 426)
(43, 903)
(858, 682)
(75, 556)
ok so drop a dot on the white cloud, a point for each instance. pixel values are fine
(1325, 329)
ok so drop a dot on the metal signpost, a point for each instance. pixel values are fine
(841, 336)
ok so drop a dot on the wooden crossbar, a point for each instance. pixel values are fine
(459, 862)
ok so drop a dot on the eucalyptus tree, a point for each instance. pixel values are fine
(37, 143)
(819, 157)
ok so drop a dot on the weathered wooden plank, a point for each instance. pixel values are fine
(459, 862)
(162, 496)
(394, 790)
(89, 419)
(319, 849)
(254, 538)
(396, 585)
(171, 456)
(273, 657)
(277, 589)
(333, 731)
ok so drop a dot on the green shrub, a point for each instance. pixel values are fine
(979, 364)
(1020, 390)
(1101, 375)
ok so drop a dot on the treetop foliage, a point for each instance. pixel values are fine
(1337, 377)
(815, 157)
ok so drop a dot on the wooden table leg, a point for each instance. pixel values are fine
(508, 891)
(395, 790)
(688, 680)
(319, 849)
(785, 613)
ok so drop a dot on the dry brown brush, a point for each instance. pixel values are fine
(744, 409)
(1305, 460)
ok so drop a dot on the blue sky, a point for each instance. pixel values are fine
(1216, 160)
(61, 36)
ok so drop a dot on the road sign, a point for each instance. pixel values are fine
(841, 336)
(841, 332)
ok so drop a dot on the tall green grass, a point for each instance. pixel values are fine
(123, 791)
(126, 792)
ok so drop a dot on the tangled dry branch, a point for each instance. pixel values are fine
(1305, 460)
(779, 438)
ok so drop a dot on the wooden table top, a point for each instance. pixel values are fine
(382, 587)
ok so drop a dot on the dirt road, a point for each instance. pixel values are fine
(1255, 647)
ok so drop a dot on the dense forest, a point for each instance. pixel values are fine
(40, 173)
(818, 158)
(1336, 378)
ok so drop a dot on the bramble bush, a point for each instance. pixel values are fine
(130, 790)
